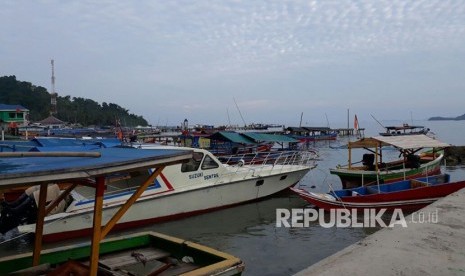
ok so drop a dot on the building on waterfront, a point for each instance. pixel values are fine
(13, 116)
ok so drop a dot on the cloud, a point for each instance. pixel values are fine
(194, 51)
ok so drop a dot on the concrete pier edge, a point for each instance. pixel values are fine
(419, 249)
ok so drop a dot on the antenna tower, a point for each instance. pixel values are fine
(53, 101)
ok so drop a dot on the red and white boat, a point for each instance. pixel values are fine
(410, 194)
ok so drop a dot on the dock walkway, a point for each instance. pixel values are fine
(419, 249)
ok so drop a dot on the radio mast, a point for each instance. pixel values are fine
(53, 101)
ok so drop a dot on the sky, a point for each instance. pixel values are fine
(234, 62)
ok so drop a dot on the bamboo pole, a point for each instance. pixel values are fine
(50, 154)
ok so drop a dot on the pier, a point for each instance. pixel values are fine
(419, 249)
(350, 132)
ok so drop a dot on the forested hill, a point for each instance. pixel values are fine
(458, 118)
(73, 110)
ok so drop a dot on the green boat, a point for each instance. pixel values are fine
(146, 253)
(373, 170)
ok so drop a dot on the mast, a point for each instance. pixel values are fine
(53, 100)
(245, 125)
(229, 119)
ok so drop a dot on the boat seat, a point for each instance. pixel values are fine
(417, 184)
(114, 261)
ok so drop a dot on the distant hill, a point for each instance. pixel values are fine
(458, 118)
(73, 110)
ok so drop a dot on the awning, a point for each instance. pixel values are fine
(233, 137)
(264, 137)
(401, 142)
(411, 141)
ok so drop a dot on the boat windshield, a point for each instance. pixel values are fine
(209, 163)
(193, 164)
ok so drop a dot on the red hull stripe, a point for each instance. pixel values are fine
(168, 184)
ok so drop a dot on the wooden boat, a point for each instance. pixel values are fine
(146, 253)
(374, 170)
(311, 134)
(410, 194)
(404, 129)
(81, 168)
(200, 185)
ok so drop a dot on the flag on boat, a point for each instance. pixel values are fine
(356, 123)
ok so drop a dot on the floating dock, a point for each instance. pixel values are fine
(418, 249)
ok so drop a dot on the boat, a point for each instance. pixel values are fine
(414, 162)
(311, 134)
(404, 129)
(90, 168)
(410, 194)
(200, 185)
(145, 253)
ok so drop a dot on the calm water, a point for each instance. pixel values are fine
(249, 231)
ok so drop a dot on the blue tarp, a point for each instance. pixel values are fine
(17, 167)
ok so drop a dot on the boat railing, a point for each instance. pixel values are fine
(270, 158)
(277, 160)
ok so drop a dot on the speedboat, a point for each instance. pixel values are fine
(200, 185)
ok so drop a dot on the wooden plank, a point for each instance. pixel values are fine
(179, 269)
(113, 261)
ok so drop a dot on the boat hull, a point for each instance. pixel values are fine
(171, 204)
(411, 199)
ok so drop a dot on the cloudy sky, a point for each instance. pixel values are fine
(171, 60)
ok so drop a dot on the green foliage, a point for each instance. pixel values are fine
(72, 110)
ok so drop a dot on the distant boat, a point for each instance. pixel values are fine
(146, 253)
(410, 194)
(374, 170)
(404, 129)
(311, 134)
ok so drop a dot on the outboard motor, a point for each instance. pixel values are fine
(413, 161)
(369, 160)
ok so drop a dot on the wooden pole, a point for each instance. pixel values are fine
(112, 222)
(96, 234)
(61, 197)
(39, 224)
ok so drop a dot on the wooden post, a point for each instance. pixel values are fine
(39, 224)
(96, 234)
(112, 222)
(350, 155)
(61, 197)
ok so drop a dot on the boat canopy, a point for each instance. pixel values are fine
(230, 136)
(265, 137)
(403, 142)
(29, 171)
